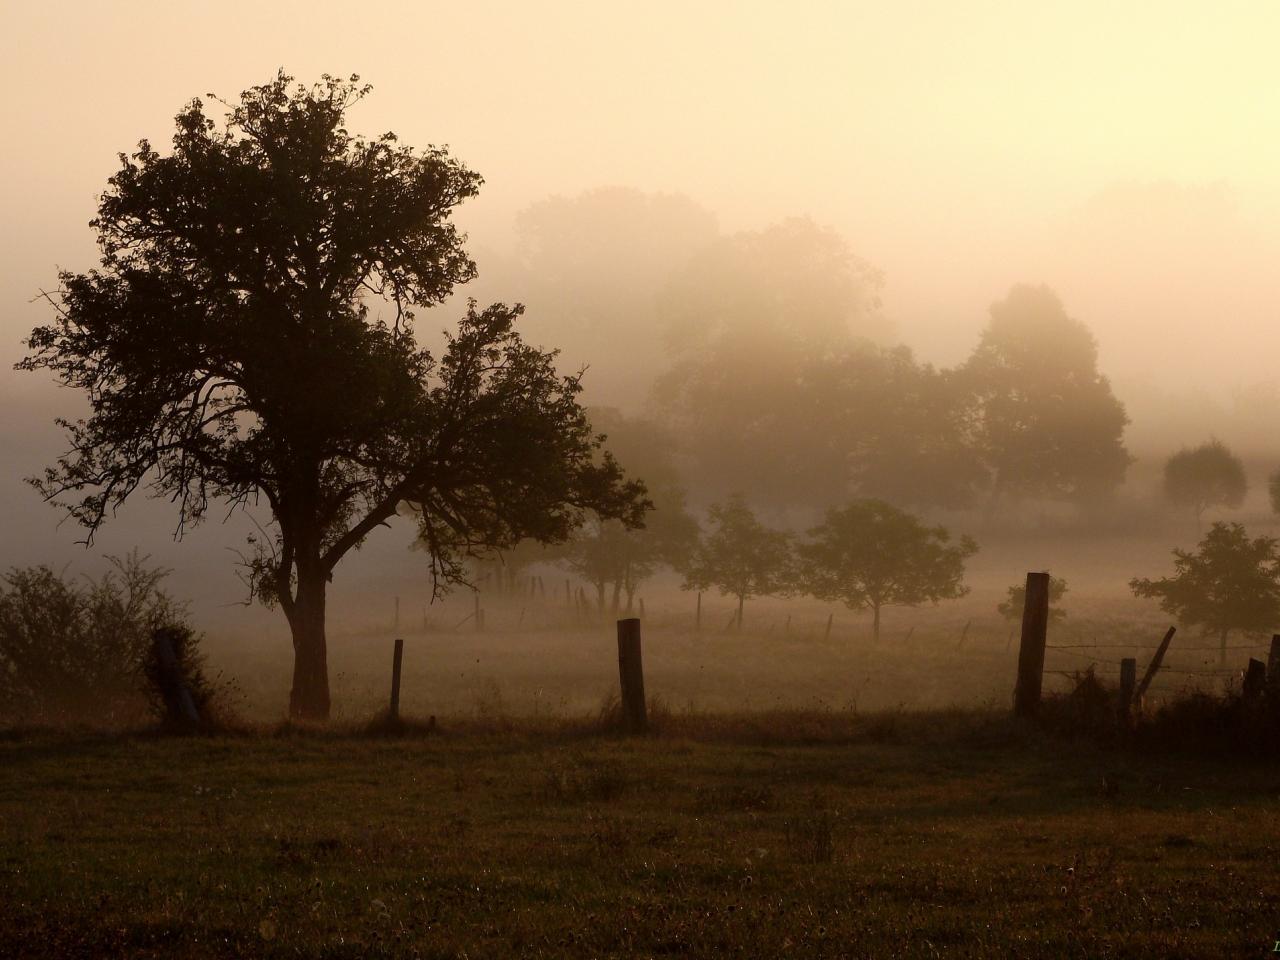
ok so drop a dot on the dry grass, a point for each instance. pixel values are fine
(820, 834)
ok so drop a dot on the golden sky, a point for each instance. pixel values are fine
(1128, 154)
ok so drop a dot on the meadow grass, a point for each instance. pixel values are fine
(786, 833)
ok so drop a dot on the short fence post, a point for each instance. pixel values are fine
(396, 657)
(177, 697)
(1255, 680)
(631, 676)
(1035, 625)
(1128, 682)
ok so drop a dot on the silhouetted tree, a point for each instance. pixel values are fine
(1230, 583)
(1273, 491)
(740, 556)
(229, 351)
(1206, 476)
(1048, 423)
(1011, 608)
(869, 555)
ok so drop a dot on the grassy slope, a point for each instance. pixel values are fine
(952, 835)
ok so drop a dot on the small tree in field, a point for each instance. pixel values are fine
(740, 556)
(1230, 583)
(869, 555)
(1206, 476)
(248, 337)
(1011, 609)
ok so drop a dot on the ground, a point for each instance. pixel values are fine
(954, 834)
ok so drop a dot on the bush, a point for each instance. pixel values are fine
(74, 649)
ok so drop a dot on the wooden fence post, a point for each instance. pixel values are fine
(1128, 681)
(697, 619)
(1154, 665)
(631, 676)
(177, 697)
(963, 634)
(1255, 680)
(396, 657)
(479, 614)
(826, 634)
(1035, 625)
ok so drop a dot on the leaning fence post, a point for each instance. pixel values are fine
(1155, 664)
(631, 676)
(1128, 680)
(1035, 625)
(396, 657)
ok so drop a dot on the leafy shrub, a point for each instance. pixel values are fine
(73, 649)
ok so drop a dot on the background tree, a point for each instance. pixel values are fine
(1273, 491)
(605, 552)
(748, 322)
(1048, 423)
(869, 555)
(1011, 608)
(1206, 476)
(1230, 583)
(229, 351)
(740, 556)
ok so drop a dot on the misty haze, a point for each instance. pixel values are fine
(586, 480)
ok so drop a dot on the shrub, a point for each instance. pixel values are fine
(73, 649)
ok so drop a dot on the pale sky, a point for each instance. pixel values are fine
(960, 147)
(1126, 154)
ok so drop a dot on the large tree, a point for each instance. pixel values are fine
(248, 337)
(1231, 582)
(869, 555)
(1049, 425)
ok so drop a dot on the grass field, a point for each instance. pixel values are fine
(780, 834)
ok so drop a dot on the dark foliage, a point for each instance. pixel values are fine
(73, 649)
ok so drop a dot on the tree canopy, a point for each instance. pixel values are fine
(248, 337)
(1048, 424)
(1231, 582)
(869, 554)
(1206, 476)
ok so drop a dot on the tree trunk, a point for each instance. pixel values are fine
(740, 600)
(875, 622)
(309, 698)
(600, 598)
(617, 596)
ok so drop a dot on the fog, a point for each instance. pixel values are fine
(1127, 159)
